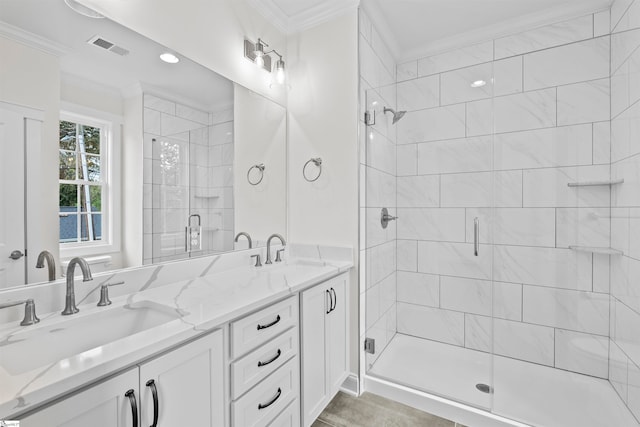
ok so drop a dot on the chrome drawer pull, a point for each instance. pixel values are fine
(270, 324)
(261, 364)
(266, 405)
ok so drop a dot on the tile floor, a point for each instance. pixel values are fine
(370, 410)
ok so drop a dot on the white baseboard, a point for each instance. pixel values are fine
(350, 385)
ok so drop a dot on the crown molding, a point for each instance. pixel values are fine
(318, 14)
(33, 40)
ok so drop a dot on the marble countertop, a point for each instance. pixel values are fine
(200, 304)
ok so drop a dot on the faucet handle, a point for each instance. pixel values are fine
(258, 262)
(104, 293)
(30, 317)
(278, 252)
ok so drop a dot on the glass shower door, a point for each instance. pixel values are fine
(428, 160)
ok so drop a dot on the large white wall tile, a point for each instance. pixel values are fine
(483, 189)
(151, 121)
(602, 143)
(375, 234)
(458, 58)
(578, 311)
(622, 46)
(624, 284)
(626, 331)
(455, 155)
(545, 37)
(601, 273)
(431, 323)
(627, 193)
(543, 148)
(582, 353)
(372, 301)
(478, 332)
(192, 114)
(522, 111)
(633, 393)
(382, 51)
(509, 226)
(380, 152)
(407, 71)
(159, 104)
(381, 262)
(507, 301)
(618, 362)
(446, 225)
(625, 134)
(466, 295)
(381, 189)
(417, 288)
(432, 124)
(577, 62)
(418, 191)
(407, 159)
(407, 255)
(584, 102)
(602, 23)
(630, 19)
(507, 74)
(634, 233)
(618, 9)
(454, 259)
(548, 187)
(523, 341)
(583, 227)
(456, 85)
(563, 268)
(418, 94)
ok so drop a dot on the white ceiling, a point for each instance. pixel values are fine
(58, 24)
(418, 26)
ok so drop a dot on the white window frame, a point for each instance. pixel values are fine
(110, 170)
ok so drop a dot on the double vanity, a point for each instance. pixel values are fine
(212, 341)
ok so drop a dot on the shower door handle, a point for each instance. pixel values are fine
(476, 236)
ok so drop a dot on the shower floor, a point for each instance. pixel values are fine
(526, 392)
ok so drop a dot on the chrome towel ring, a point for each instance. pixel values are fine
(260, 167)
(316, 161)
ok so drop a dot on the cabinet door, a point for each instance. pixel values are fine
(103, 405)
(337, 335)
(189, 383)
(314, 307)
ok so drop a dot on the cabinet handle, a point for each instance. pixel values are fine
(330, 301)
(156, 402)
(261, 364)
(270, 324)
(476, 236)
(134, 406)
(266, 405)
(335, 299)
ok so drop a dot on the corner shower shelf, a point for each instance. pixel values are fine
(594, 183)
(596, 250)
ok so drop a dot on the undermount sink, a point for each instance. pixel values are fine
(83, 334)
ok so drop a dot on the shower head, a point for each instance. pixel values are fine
(396, 115)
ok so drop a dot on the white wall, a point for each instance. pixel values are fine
(211, 33)
(323, 122)
(31, 77)
(133, 170)
(260, 137)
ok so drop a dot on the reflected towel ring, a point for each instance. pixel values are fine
(260, 167)
(316, 161)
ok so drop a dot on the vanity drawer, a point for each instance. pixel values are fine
(254, 367)
(261, 405)
(290, 417)
(258, 328)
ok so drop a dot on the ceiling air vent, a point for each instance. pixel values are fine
(107, 45)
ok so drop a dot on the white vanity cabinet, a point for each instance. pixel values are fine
(190, 391)
(324, 344)
(265, 367)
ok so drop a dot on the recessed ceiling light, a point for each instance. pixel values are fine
(169, 58)
(478, 83)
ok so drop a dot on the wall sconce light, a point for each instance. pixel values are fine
(255, 53)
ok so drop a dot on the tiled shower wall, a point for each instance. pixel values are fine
(624, 368)
(377, 187)
(546, 125)
(188, 170)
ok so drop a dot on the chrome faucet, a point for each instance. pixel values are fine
(51, 264)
(70, 299)
(242, 233)
(268, 261)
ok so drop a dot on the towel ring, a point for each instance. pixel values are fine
(316, 161)
(260, 167)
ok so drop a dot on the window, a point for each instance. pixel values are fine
(86, 190)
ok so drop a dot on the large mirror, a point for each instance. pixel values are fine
(127, 158)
